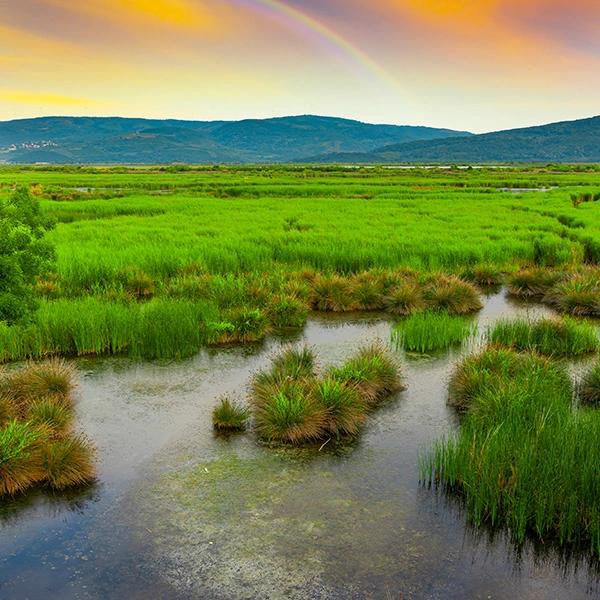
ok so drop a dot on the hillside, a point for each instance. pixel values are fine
(568, 141)
(120, 140)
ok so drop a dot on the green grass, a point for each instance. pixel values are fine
(551, 337)
(292, 404)
(589, 390)
(233, 252)
(229, 415)
(492, 367)
(373, 370)
(430, 331)
(523, 457)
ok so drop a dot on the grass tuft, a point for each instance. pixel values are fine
(228, 415)
(452, 295)
(551, 337)
(430, 331)
(68, 462)
(346, 408)
(589, 390)
(20, 460)
(373, 371)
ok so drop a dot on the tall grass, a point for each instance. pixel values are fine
(551, 337)
(525, 459)
(429, 331)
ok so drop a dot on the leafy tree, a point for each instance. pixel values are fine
(24, 254)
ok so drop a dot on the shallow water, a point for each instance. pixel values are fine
(180, 513)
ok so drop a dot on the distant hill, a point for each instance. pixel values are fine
(568, 141)
(119, 140)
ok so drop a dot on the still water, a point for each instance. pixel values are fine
(180, 513)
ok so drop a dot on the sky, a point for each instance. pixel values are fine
(477, 65)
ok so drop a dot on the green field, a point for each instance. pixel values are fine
(187, 247)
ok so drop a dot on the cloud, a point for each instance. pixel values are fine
(44, 98)
(177, 14)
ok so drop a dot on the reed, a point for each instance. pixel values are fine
(551, 337)
(430, 331)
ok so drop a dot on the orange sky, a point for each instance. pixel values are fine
(473, 64)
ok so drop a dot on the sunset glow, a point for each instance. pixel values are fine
(476, 64)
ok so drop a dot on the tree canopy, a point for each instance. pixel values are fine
(24, 254)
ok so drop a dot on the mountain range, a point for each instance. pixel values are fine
(119, 140)
(309, 139)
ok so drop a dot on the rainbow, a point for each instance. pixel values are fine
(338, 45)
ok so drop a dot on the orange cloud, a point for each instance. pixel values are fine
(180, 14)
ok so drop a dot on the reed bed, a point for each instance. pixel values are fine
(431, 331)
(523, 458)
(551, 337)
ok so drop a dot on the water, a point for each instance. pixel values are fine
(180, 513)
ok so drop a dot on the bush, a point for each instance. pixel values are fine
(24, 255)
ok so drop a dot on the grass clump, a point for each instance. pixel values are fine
(332, 294)
(286, 312)
(551, 337)
(579, 295)
(373, 371)
(54, 415)
(404, 299)
(292, 404)
(453, 295)
(533, 283)
(489, 369)
(345, 407)
(229, 415)
(50, 379)
(20, 460)
(523, 457)
(589, 390)
(36, 447)
(486, 275)
(289, 413)
(368, 292)
(430, 331)
(67, 462)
